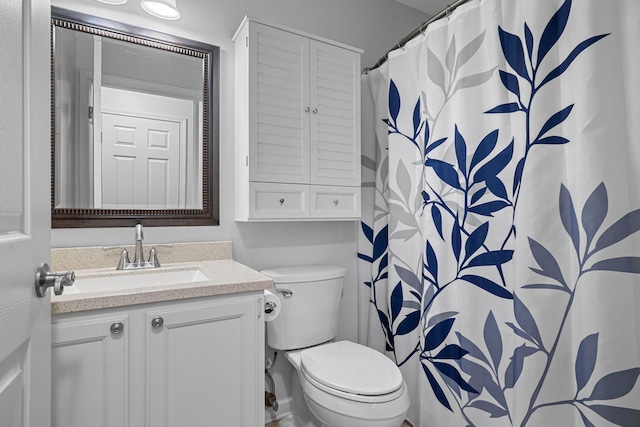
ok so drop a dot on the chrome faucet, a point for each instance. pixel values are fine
(138, 260)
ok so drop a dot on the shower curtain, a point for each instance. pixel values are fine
(499, 252)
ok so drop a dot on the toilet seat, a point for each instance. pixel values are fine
(351, 371)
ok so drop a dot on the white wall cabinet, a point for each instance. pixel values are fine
(297, 125)
(194, 363)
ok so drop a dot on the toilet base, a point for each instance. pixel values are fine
(300, 416)
(287, 421)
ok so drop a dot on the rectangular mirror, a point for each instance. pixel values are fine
(134, 125)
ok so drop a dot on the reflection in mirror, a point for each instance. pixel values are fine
(134, 133)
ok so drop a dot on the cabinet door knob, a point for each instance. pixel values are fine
(117, 328)
(306, 110)
(157, 322)
(281, 201)
(315, 111)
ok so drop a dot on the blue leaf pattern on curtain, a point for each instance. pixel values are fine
(468, 185)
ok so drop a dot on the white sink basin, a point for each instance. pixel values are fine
(139, 279)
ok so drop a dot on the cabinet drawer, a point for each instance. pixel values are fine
(269, 200)
(335, 202)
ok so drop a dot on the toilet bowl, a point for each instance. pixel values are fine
(349, 385)
(335, 384)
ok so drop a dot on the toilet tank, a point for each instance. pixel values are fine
(309, 314)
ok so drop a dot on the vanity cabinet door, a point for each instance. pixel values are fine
(205, 363)
(90, 372)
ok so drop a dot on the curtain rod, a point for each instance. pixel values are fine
(445, 12)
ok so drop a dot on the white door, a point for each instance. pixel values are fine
(25, 197)
(140, 163)
(145, 144)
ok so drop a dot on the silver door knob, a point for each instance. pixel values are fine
(45, 278)
(157, 322)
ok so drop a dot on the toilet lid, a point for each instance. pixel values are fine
(351, 368)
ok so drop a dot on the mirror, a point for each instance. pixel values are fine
(134, 125)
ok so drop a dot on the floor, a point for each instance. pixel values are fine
(275, 424)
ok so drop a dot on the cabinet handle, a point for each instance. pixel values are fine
(117, 328)
(315, 111)
(306, 110)
(157, 322)
(281, 201)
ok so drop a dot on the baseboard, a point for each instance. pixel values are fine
(284, 409)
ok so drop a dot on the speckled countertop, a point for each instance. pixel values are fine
(225, 276)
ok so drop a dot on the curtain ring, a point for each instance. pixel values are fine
(399, 45)
(448, 12)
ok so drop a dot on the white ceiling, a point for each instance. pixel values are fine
(431, 7)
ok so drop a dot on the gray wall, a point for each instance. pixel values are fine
(372, 25)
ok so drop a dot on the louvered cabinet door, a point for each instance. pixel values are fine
(335, 118)
(278, 106)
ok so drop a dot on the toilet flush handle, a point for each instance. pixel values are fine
(287, 293)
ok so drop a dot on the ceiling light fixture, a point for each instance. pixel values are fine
(114, 2)
(163, 9)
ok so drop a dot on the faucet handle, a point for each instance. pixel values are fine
(124, 256)
(153, 254)
(153, 257)
(124, 260)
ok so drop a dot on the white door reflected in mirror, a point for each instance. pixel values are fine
(146, 158)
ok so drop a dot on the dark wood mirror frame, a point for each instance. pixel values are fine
(91, 218)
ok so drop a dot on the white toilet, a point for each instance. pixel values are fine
(336, 384)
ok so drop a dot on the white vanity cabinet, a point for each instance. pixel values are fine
(297, 125)
(195, 362)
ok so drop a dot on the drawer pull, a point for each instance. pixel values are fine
(157, 322)
(117, 328)
(335, 202)
(281, 201)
